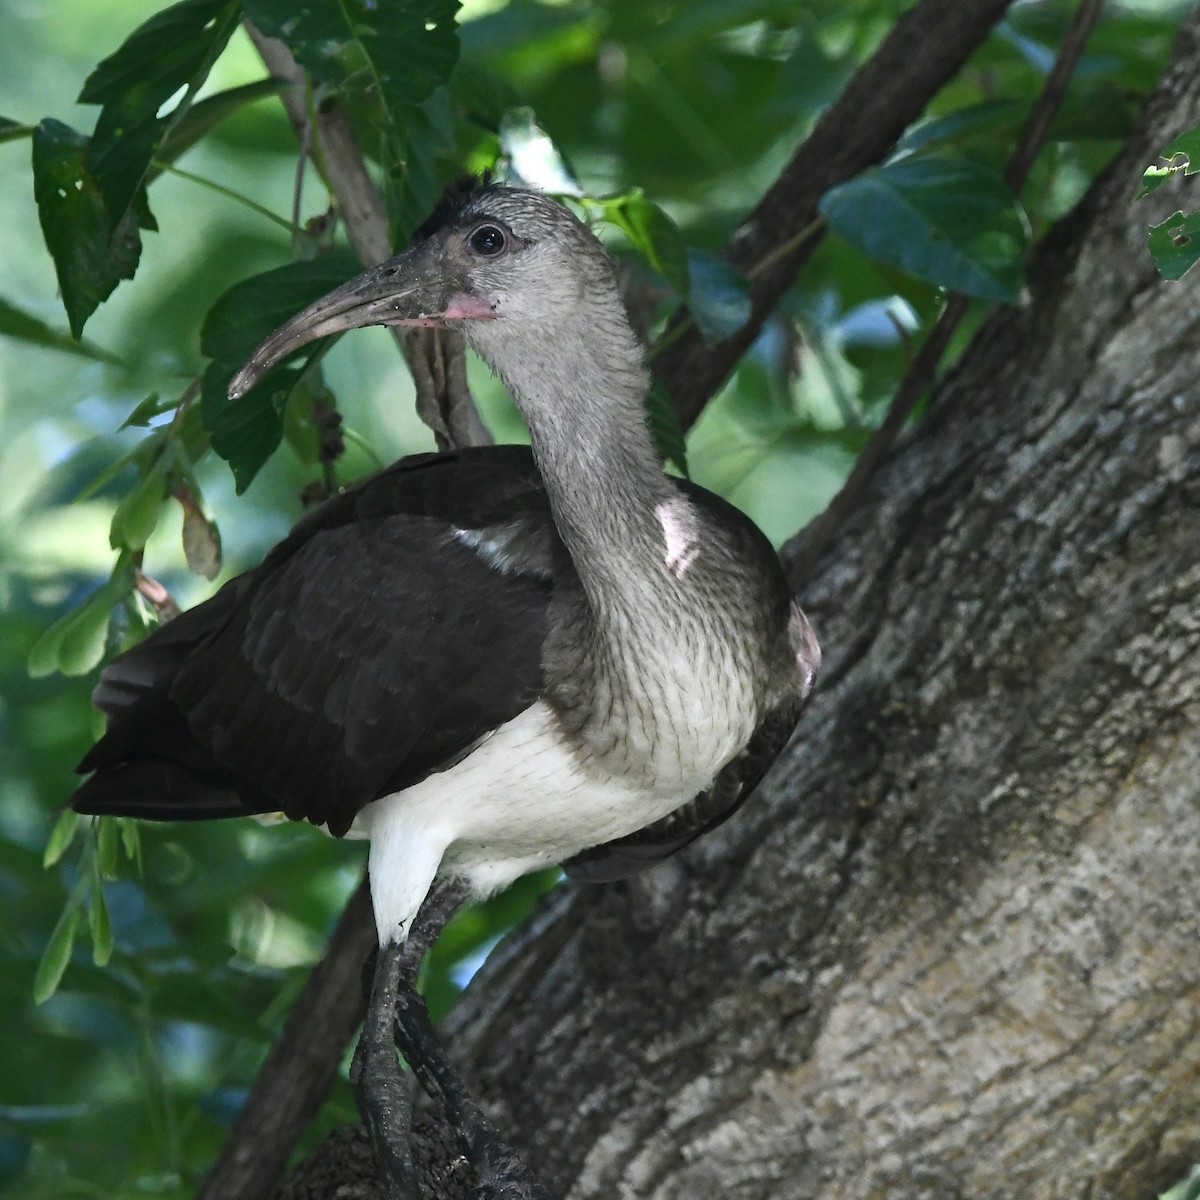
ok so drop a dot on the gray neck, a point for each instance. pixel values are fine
(583, 396)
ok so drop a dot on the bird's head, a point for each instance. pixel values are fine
(487, 254)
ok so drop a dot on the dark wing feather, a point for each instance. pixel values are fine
(371, 648)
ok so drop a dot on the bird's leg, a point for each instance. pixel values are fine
(500, 1172)
(384, 1094)
(383, 1091)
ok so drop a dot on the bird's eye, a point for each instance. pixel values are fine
(488, 241)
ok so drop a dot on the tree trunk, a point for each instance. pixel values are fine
(951, 948)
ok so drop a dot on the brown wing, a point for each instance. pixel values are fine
(373, 647)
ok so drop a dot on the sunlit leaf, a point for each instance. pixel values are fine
(201, 538)
(61, 836)
(91, 254)
(136, 516)
(107, 845)
(100, 926)
(57, 953)
(950, 221)
(1181, 157)
(131, 841)
(1175, 244)
(75, 643)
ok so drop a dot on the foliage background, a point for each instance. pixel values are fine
(124, 1082)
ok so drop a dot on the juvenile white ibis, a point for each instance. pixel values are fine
(488, 661)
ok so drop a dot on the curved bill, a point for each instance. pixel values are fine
(407, 290)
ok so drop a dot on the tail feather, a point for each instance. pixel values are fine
(157, 790)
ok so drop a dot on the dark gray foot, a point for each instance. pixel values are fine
(397, 1017)
(383, 1091)
(501, 1172)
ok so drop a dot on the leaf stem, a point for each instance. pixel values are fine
(239, 197)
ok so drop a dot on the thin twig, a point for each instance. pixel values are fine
(1033, 137)
(301, 168)
(806, 549)
(229, 193)
(156, 595)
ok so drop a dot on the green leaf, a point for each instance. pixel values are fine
(136, 516)
(74, 644)
(205, 115)
(949, 221)
(100, 926)
(12, 131)
(653, 234)
(413, 182)
(990, 119)
(131, 841)
(483, 94)
(26, 328)
(107, 837)
(153, 406)
(61, 836)
(1182, 157)
(57, 953)
(242, 317)
(665, 428)
(174, 49)
(719, 299)
(158, 58)
(246, 432)
(1175, 244)
(91, 253)
(1186, 1189)
(398, 52)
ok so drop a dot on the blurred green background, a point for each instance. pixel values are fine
(124, 1082)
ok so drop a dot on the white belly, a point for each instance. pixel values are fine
(521, 801)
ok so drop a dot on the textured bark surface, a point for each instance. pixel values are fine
(950, 949)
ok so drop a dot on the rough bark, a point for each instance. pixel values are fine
(950, 947)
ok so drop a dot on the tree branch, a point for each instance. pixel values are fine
(435, 357)
(887, 93)
(804, 550)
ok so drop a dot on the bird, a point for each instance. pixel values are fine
(488, 661)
